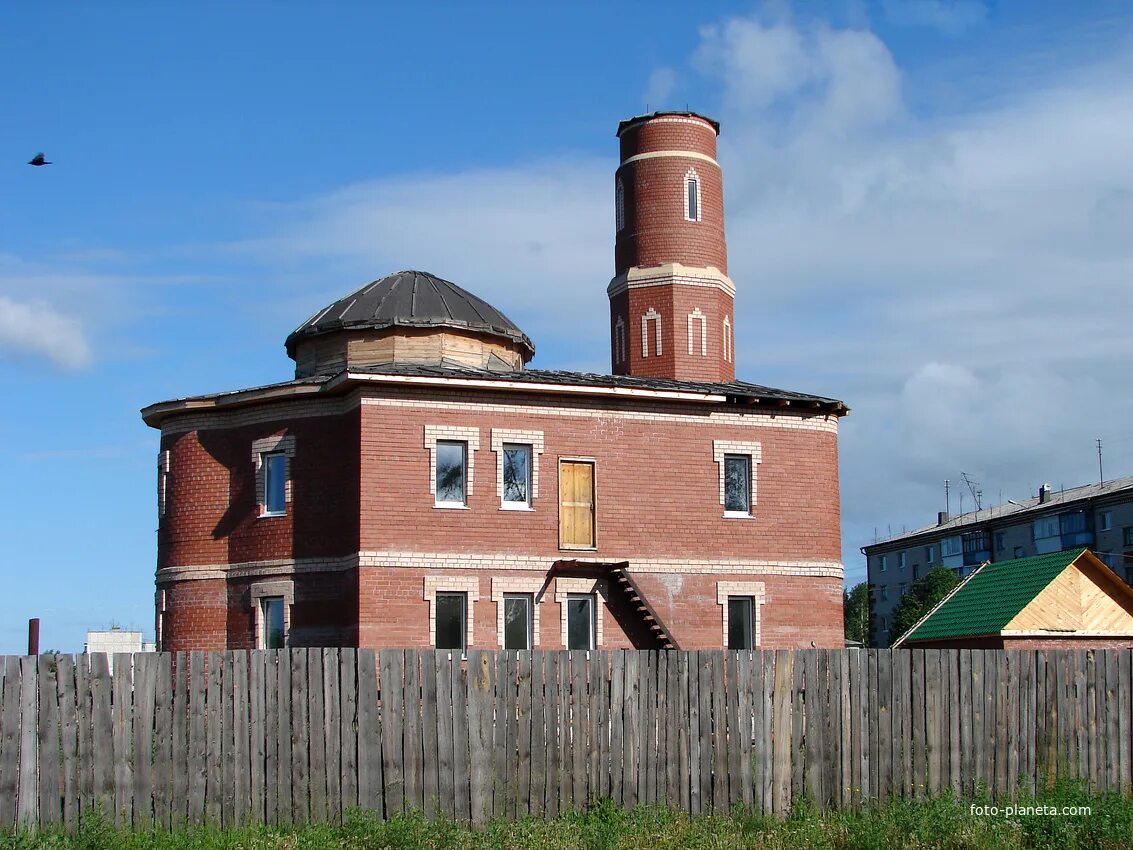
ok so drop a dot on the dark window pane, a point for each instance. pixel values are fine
(450, 620)
(580, 622)
(740, 631)
(517, 622)
(737, 483)
(275, 483)
(450, 472)
(693, 211)
(517, 473)
(273, 622)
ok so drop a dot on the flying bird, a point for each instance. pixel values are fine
(39, 160)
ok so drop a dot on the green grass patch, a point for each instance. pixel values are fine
(945, 823)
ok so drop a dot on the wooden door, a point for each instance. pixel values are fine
(576, 504)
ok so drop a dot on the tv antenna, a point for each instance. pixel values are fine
(973, 487)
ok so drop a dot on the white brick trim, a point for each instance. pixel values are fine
(754, 450)
(517, 584)
(703, 157)
(691, 175)
(452, 584)
(620, 340)
(596, 587)
(268, 445)
(755, 590)
(650, 316)
(697, 316)
(531, 438)
(162, 481)
(727, 340)
(670, 274)
(497, 562)
(458, 433)
(257, 593)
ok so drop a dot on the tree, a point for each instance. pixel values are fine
(922, 596)
(855, 610)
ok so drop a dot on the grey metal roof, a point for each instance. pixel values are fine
(735, 389)
(411, 299)
(1015, 510)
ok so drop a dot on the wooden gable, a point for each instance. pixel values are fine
(1086, 598)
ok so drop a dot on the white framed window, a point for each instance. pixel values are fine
(272, 457)
(162, 482)
(904, 588)
(692, 196)
(1105, 521)
(930, 553)
(727, 340)
(451, 604)
(511, 588)
(883, 563)
(271, 603)
(650, 316)
(518, 620)
(741, 603)
(900, 560)
(697, 318)
(950, 547)
(620, 340)
(517, 467)
(737, 461)
(451, 450)
(582, 620)
(620, 206)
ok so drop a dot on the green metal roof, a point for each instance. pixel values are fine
(992, 596)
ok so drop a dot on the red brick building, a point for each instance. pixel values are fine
(416, 485)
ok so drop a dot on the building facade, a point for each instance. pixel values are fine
(417, 485)
(1096, 516)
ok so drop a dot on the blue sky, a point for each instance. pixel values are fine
(930, 207)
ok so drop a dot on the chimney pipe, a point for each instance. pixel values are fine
(941, 517)
(1044, 494)
(33, 636)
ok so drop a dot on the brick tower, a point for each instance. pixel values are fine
(671, 298)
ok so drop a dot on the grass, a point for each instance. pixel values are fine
(944, 823)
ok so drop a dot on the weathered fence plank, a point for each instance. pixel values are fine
(372, 734)
(163, 741)
(68, 719)
(145, 706)
(122, 696)
(47, 740)
(393, 723)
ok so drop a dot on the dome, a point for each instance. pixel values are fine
(411, 299)
(408, 317)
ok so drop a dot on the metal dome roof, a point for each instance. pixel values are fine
(411, 299)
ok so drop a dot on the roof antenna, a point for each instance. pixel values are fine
(972, 485)
(1101, 477)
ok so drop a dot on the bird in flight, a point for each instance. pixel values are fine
(39, 160)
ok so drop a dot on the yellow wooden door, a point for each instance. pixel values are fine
(576, 504)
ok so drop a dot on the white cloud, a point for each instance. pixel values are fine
(36, 329)
(659, 89)
(951, 17)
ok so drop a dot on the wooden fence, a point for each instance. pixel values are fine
(308, 734)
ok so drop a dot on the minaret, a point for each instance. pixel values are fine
(671, 298)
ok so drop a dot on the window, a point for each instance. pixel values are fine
(1127, 536)
(620, 206)
(517, 620)
(517, 475)
(900, 560)
(1046, 527)
(1000, 541)
(904, 588)
(451, 620)
(883, 563)
(741, 622)
(275, 484)
(916, 572)
(451, 465)
(884, 593)
(162, 482)
(930, 553)
(737, 484)
(692, 196)
(1105, 521)
(950, 547)
(274, 634)
(580, 621)
(576, 504)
